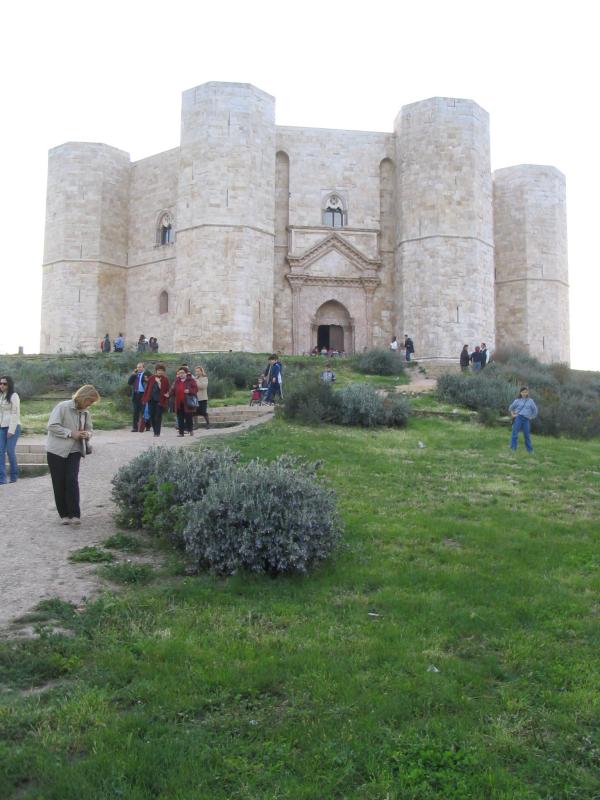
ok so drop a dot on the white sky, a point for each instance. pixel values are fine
(113, 72)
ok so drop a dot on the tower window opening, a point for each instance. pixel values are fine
(163, 303)
(333, 213)
(164, 232)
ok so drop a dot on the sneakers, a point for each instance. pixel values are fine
(75, 521)
(65, 520)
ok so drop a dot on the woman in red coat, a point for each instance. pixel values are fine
(185, 393)
(156, 395)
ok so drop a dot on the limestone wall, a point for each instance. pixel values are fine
(532, 301)
(225, 219)
(444, 226)
(85, 248)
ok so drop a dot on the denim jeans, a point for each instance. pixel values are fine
(521, 424)
(8, 445)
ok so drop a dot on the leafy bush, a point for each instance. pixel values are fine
(308, 399)
(152, 488)
(240, 369)
(397, 411)
(272, 518)
(219, 387)
(378, 362)
(360, 404)
(477, 391)
(568, 400)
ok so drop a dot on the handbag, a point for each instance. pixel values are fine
(191, 402)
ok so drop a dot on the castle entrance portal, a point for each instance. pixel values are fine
(333, 328)
(331, 337)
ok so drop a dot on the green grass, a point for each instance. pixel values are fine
(108, 414)
(450, 651)
(125, 542)
(128, 573)
(90, 554)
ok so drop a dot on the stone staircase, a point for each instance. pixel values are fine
(229, 416)
(31, 459)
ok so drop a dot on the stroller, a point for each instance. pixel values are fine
(258, 392)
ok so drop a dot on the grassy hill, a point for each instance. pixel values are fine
(450, 651)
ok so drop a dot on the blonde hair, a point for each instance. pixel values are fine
(200, 369)
(86, 392)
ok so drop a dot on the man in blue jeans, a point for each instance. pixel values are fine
(522, 410)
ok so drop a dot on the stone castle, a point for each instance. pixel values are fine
(257, 237)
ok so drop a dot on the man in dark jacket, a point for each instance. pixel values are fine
(408, 346)
(465, 358)
(137, 385)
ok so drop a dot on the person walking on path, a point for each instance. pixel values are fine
(137, 383)
(183, 389)
(409, 347)
(156, 395)
(69, 431)
(522, 410)
(10, 427)
(465, 358)
(273, 373)
(394, 345)
(202, 381)
(106, 344)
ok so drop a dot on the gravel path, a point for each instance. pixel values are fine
(34, 546)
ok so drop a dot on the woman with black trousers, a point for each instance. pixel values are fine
(69, 431)
(185, 396)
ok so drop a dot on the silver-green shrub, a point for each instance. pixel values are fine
(360, 404)
(378, 362)
(152, 488)
(397, 411)
(264, 517)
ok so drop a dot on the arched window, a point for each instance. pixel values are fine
(164, 233)
(163, 303)
(333, 213)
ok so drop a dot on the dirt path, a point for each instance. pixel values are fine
(418, 383)
(34, 546)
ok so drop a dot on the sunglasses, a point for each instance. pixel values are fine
(3, 383)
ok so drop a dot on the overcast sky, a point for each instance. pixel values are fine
(113, 72)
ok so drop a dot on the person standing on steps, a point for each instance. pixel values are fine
(137, 384)
(409, 347)
(69, 431)
(522, 410)
(182, 390)
(156, 395)
(10, 427)
(202, 381)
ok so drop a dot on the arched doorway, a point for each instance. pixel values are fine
(333, 328)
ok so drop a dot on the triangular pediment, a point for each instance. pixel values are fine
(321, 254)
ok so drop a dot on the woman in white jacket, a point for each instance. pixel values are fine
(10, 427)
